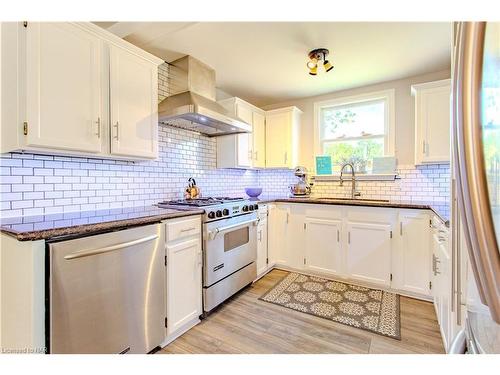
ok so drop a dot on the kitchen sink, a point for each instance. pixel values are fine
(356, 199)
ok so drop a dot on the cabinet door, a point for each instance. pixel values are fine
(435, 272)
(323, 250)
(413, 254)
(244, 140)
(369, 252)
(433, 121)
(278, 233)
(444, 292)
(183, 283)
(262, 257)
(63, 81)
(259, 140)
(277, 140)
(133, 105)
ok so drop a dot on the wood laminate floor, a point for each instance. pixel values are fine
(244, 324)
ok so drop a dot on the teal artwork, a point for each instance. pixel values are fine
(323, 165)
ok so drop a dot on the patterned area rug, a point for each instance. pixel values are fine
(370, 309)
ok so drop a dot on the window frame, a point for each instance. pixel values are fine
(388, 96)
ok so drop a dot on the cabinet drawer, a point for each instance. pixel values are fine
(184, 227)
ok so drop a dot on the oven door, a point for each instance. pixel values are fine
(229, 245)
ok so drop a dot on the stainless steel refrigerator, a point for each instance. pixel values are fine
(476, 187)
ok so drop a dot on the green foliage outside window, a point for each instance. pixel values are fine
(360, 152)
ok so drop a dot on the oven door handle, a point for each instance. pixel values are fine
(213, 234)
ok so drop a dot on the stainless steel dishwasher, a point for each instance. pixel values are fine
(107, 292)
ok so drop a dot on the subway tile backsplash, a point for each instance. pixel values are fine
(39, 184)
(415, 183)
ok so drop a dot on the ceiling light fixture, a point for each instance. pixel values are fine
(316, 56)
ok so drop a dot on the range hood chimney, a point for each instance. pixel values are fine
(191, 104)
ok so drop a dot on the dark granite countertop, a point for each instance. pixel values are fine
(441, 209)
(44, 227)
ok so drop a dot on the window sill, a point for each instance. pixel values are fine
(359, 177)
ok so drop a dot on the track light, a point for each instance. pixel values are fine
(315, 56)
(327, 66)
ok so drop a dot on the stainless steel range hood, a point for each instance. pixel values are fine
(191, 104)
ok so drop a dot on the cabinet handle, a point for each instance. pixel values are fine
(338, 235)
(286, 157)
(349, 237)
(435, 261)
(117, 126)
(98, 122)
(287, 216)
(188, 229)
(260, 236)
(255, 154)
(250, 154)
(423, 147)
(400, 228)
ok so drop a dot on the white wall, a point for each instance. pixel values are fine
(405, 123)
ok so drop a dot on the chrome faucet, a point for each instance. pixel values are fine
(354, 193)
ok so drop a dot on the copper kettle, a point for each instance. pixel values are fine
(192, 191)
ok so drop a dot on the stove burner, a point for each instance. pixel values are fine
(200, 202)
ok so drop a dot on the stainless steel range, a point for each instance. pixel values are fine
(229, 245)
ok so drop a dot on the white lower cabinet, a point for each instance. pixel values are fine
(368, 255)
(441, 282)
(278, 234)
(262, 238)
(412, 256)
(183, 276)
(360, 244)
(323, 249)
(294, 253)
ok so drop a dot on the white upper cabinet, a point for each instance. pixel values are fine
(282, 137)
(73, 81)
(432, 122)
(133, 105)
(245, 150)
(273, 143)
(244, 141)
(63, 80)
(259, 139)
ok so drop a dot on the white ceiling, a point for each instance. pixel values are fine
(265, 62)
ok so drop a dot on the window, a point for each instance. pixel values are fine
(356, 129)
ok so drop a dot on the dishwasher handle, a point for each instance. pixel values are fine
(107, 249)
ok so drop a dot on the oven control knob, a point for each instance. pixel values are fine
(211, 215)
(245, 208)
(256, 206)
(218, 213)
(225, 212)
(250, 207)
